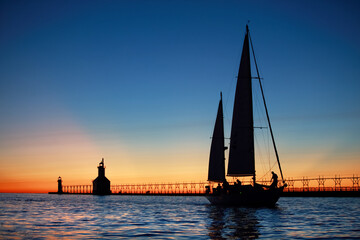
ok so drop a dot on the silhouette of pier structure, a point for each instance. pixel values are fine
(299, 187)
(320, 189)
(100, 186)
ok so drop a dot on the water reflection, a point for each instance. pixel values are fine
(233, 223)
(41, 216)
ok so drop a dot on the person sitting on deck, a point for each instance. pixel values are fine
(237, 186)
(216, 190)
(225, 187)
(207, 191)
(274, 179)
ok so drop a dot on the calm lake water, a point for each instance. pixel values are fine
(43, 216)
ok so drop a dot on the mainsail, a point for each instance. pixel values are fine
(217, 155)
(241, 155)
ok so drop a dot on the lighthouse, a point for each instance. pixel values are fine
(59, 185)
(101, 185)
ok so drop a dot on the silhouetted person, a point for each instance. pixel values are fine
(207, 189)
(218, 188)
(237, 186)
(226, 186)
(274, 178)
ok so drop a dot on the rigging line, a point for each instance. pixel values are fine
(260, 115)
(261, 118)
(267, 114)
(267, 172)
(259, 136)
(262, 137)
(259, 153)
(267, 143)
(264, 134)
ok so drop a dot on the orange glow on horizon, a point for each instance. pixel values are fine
(49, 184)
(32, 165)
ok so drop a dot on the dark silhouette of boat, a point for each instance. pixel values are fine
(241, 153)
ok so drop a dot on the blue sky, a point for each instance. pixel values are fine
(146, 75)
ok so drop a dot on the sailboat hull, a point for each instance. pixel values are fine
(250, 196)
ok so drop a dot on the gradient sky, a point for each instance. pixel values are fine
(138, 82)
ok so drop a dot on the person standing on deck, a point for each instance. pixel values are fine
(274, 179)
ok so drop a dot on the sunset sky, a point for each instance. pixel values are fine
(138, 83)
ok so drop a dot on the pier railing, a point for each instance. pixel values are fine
(303, 184)
(84, 189)
(321, 183)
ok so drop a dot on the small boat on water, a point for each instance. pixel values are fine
(242, 152)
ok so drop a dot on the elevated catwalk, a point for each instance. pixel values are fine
(301, 187)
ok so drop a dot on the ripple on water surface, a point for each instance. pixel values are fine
(42, 216)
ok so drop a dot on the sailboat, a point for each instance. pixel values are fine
(242, 152)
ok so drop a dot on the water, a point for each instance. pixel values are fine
(43, 216)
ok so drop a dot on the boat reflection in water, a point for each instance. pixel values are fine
(233, 223)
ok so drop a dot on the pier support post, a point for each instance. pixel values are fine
(291, 183)
(163, 189)
(202, 187)
(185, 188)
(321, 182)
(305, 182)
(337, 181)
(193, 188)
(177, 188)
(133, 188)
(355, 181)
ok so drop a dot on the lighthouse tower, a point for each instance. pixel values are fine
(59, 185)
(101, 185)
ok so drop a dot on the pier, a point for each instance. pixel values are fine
(337, 186)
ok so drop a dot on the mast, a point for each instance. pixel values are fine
(217, 150)
(266, 110)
